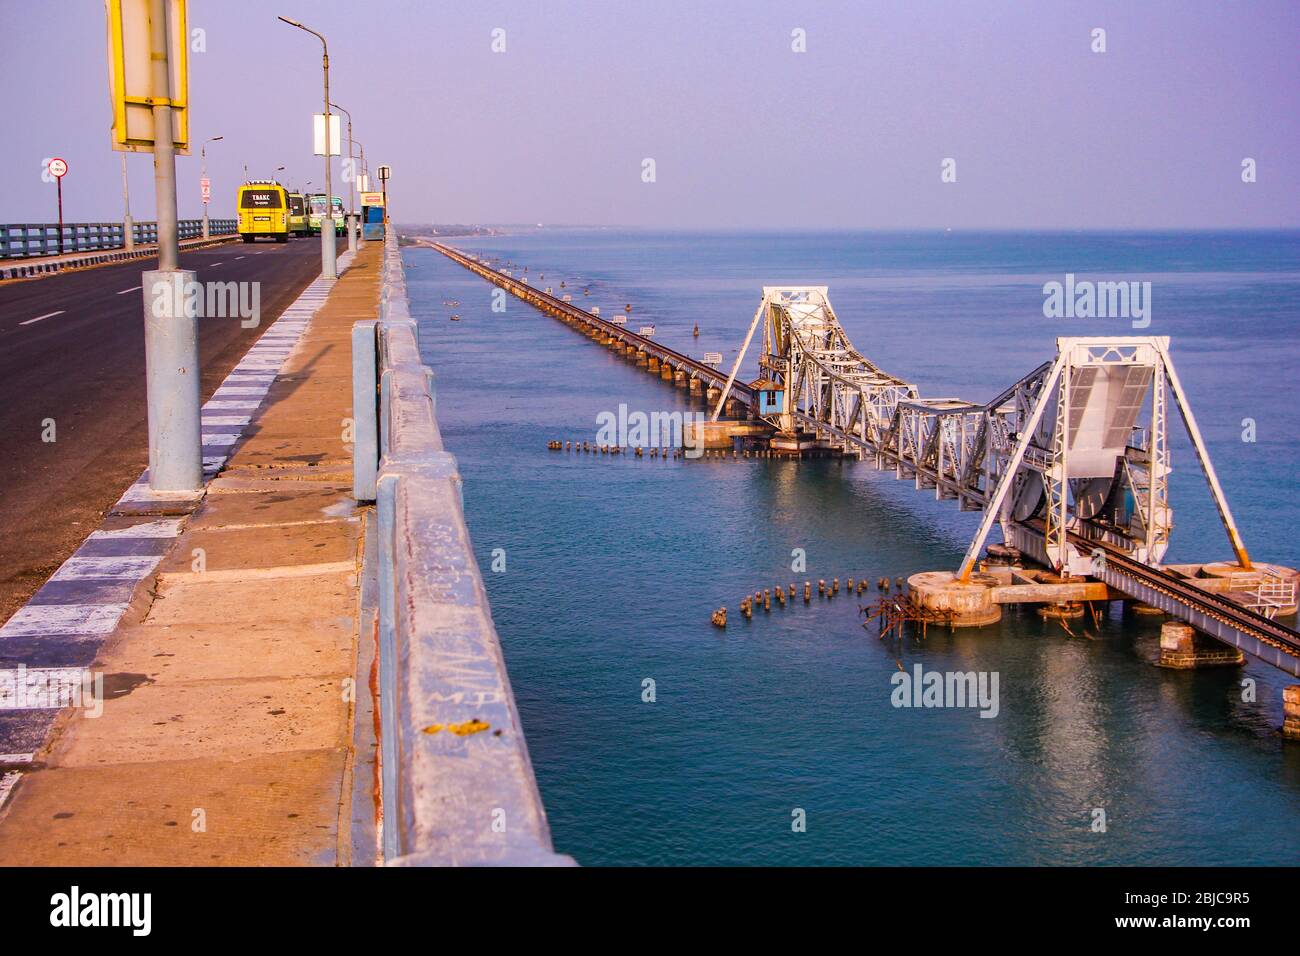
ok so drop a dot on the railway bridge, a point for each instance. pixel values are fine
(1071, 460)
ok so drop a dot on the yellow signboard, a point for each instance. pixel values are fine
(130, 74)
(372, 199)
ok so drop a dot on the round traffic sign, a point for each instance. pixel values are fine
(58, 168)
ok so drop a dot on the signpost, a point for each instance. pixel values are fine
(385, 173)
(59, 169)
(149, 92)
(131, 74)
(205, 188)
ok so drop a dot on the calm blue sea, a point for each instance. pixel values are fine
(613, 565)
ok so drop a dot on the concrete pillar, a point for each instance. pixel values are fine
(713, 394)
(679, 378)
(696, 386)
(1291, 712)
(654, 364)
(1182, 647)
(667, 371)
(969, 604)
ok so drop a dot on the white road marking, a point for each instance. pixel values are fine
(47, 315)
(213, 265)
(161, 528)
(41, 620)
(16, 758)
(219, 439)
(239, 257)
(236, 421)
(134, 288)
(130, 568)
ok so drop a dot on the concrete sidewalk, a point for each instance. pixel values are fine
(232, 682)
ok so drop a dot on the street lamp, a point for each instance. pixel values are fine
(361, 227)
(203, 175)
(352, 182)
(329, 269)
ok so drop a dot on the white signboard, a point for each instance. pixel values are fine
(205, 187)
(646, 330)
(318, 134)
(58, 168)
(713, 358)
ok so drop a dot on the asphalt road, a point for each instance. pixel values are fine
(84, 368)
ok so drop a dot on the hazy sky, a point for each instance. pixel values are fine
(743, 131)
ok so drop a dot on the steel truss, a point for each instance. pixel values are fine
(1058, 452)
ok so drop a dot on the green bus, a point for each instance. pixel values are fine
(316, 212)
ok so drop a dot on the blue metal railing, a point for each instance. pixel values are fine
(24, 240)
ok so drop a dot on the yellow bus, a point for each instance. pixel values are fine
(298, 225)
(263, 210)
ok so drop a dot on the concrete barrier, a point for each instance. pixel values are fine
(457, 783)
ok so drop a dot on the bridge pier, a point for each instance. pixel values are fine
(641, 358)
(679, 378)
(667, 372)
(1291, 712)
(653, 363)
(696, 386)
(1182, 647)
(969, 604)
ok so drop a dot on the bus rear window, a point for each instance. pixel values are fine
(260, 199)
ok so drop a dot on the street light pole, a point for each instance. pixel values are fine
(361, 228)
(329, 269)
(352, 182)
(171, 329)
(128, 224)
(203, 174)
